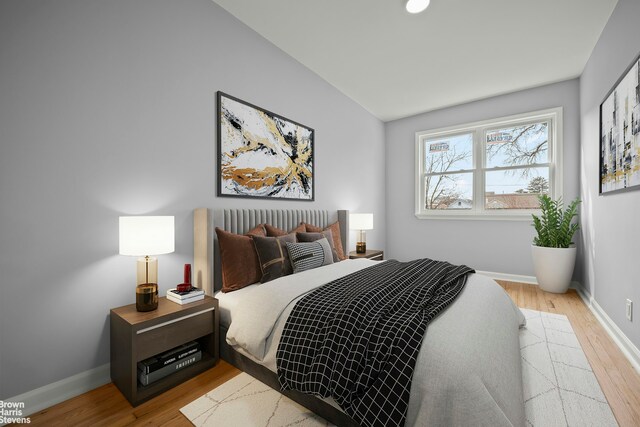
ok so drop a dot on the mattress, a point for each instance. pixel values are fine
(468, 370)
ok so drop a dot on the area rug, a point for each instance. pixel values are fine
(560, 388)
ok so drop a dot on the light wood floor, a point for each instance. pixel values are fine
(105, 406)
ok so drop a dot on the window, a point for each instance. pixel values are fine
(494, 169)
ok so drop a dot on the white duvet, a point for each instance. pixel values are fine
(468, 370)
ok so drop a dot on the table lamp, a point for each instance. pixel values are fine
(144, 236)
(361, 222)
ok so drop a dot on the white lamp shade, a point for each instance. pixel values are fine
(361, 221)
(417, 6)
(147, 235)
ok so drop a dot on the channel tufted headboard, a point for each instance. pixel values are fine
(206, 253)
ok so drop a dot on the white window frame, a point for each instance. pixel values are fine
(478, 129)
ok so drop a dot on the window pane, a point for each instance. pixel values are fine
(449, 154)
(452, 191)
(515, 188)
(517, 146)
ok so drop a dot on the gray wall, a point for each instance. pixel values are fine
(107, 108)
(498, 246)
(610, 226)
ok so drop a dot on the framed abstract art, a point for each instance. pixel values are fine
(262, 154)
(620, 134)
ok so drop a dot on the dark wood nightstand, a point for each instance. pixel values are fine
(136, 336)
(373, 254)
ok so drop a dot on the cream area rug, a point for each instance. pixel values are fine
(560, 388)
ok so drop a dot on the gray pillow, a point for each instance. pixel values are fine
(273, 256)
(308, 255)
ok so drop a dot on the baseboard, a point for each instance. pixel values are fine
(510, 277)
(59, 391)
(531, 280)
(630, 351)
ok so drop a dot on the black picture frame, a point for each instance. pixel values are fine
(620, 134)
(262, 142)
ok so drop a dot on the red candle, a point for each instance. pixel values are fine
(187, 274)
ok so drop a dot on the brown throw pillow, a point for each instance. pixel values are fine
(258, 230)
(240, 265)
(275, 231)
(335, 231)
(273, 256)
(312, 237)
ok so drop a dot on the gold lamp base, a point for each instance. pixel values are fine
(147, 297)
(361, 245)
(147, 281)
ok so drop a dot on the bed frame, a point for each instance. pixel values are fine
(207, 276)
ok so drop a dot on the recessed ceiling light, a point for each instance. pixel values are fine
(417, 6)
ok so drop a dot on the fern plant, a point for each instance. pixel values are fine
(555, 225)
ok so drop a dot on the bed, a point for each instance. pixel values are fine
(468, 369)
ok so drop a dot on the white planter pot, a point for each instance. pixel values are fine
(554, 267)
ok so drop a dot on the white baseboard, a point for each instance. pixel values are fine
(531, 280)
(509, 277)
(59, 391)
(630, 351)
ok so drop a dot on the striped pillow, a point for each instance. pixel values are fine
(308, 255)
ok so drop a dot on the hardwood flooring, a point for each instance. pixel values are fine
(105, 406)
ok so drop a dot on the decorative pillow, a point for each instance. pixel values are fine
(240, 265)
(312, 237)
(337, 238)
(275, 231)
(274, 256)
(258, 230)
(308, 255)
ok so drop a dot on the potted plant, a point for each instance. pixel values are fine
(554, 254)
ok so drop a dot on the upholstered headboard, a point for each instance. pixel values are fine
(205, 243)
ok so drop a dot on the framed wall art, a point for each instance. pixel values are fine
(262, 154)
(620, 134)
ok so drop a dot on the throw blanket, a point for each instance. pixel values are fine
(356, 339)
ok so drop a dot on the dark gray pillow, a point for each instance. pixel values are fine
(308, 255)
(312, 237)
(273, 256)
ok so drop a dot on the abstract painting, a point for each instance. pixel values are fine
(262, 154)
(620, 134)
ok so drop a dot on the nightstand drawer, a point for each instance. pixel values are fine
(170, 334)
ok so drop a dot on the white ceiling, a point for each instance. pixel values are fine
(396, 64)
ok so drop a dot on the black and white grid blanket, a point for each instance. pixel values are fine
(357, 339)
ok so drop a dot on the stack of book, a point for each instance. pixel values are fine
(164, 364)
(194, 294)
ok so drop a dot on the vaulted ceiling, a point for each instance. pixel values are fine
(396, 64)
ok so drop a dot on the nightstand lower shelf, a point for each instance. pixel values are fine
(147, 392)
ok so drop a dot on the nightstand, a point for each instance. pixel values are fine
(373, 254)
(136, 336)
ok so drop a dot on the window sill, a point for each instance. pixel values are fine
(474, 216)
